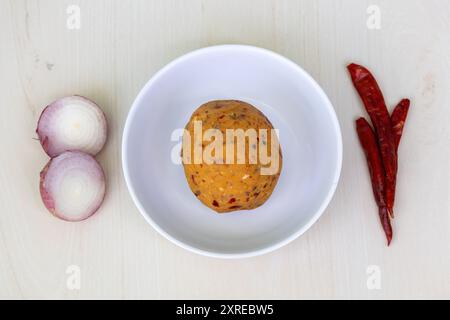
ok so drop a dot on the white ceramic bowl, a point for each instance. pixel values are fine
(310, 139)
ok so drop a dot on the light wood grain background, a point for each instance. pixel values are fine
(121, 44)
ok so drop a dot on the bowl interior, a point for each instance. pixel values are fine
(309, 136)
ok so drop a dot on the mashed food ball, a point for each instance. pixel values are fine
(226, 181)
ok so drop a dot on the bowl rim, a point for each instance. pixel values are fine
(291, 237)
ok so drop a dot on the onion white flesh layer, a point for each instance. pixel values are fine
(72, 123)
(72, 186)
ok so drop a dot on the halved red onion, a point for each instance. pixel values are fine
(72, 123)
(72, 185)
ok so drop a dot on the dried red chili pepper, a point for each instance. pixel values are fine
(369, 144)
(375, 105)
(398, 119)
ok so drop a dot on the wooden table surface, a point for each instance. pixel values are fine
(119, 45)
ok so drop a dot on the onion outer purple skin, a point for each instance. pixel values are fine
(52, 142)
(87, 164)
